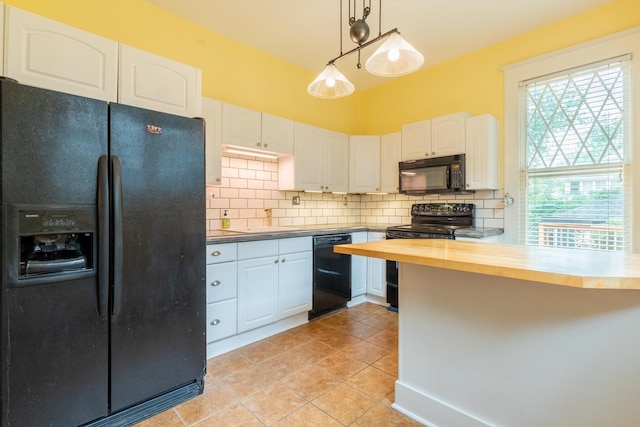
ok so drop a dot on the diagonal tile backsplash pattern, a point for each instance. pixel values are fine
(250, 186)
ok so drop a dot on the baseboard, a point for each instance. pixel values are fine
(236, 341)
(430, 411)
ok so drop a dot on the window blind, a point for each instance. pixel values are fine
(575, 158)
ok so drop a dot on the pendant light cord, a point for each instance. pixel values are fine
(341, 27)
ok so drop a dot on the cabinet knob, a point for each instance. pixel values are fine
(218, 179)
(283, 260)
(214, 322)
(433, 153)
(265, 145)
(258, 144)
(215, 283)
(216, 253)
(276, 261)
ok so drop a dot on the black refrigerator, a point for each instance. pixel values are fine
(103, 259)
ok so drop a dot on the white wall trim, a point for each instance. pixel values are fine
(626, 42)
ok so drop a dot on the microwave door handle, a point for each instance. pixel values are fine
(448, 177)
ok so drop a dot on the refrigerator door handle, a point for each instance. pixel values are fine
(103, 236)
(116, 178)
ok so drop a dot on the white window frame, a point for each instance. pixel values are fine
(627, 42)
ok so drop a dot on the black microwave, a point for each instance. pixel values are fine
(437, 175)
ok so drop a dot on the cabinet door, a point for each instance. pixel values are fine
(416, 140)
(277, 134)
(156, 83)
(212, 114)
(448, 134)
(482, 158)
(296, 283)
(364, 164)
(257, 292)
(376, 270)
(308, 168)
(336, 162)
(358, 267)
(241, 126)
(390, 156)
(44, 53)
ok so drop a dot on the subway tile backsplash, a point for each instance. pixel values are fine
(250, 187)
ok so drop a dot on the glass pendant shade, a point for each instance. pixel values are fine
(330, 84)
(395, 57)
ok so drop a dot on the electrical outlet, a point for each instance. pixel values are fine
(344, 201)
(295, 200)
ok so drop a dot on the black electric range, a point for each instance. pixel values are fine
(428, 221)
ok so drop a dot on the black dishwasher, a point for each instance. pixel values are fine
(331, 274)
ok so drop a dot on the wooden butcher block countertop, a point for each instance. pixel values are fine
(576, 268)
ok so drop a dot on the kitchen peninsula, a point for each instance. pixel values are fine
(494, 334)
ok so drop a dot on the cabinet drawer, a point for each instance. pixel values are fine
(221, 320)
(222, 252)
(222, 281)
(295, 244)
(257, 249)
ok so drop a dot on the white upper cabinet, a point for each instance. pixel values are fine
(45, 53)
(277, 134)
(336, 162)
(241, 126)
(212, 114)
(416, 140)
(482, 159)
(390, 156)
(364, 164)
(448, 134)
(441, 136)
(156, 83)
(254, 130)
(321, 161)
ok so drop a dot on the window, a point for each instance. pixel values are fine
(575, 135)
(570, 130)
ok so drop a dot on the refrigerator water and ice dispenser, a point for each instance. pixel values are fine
(55, 241)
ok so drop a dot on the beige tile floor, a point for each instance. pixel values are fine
(338, 370)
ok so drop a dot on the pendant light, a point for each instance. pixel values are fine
(331, 84)
(395, 57)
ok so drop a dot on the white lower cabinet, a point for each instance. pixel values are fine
(358, 267)
(376, 270)
(274, 280)
(222, 271)
(257, 291)
(221, 320)
(295, 288)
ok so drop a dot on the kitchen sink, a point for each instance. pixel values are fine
(266, 229)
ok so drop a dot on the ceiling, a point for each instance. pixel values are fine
(307, 33)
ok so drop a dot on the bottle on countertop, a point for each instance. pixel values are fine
(226, 223)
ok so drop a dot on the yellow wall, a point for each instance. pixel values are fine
(235, 73)
(474, 82)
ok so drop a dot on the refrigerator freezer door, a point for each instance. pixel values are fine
(158, 320)
(54, 366)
